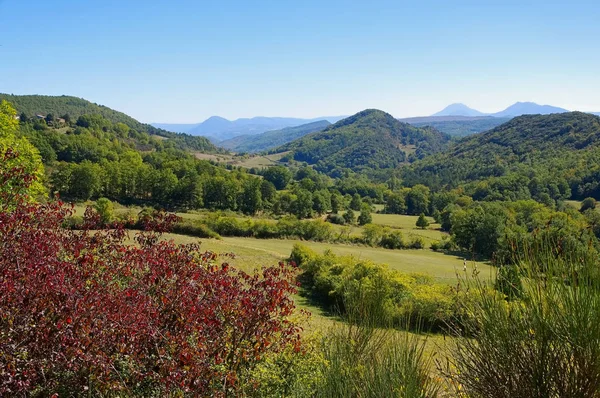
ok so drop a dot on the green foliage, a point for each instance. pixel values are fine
(349, 216)
(365, 361)
(480, 228)
(395, 204)
(422, 221)
(541, 157)
(461, 128)
(588, 203)
(368, 141)
(417, 200)
(279, 176)
(73, 108)
(393, 240)
(26, 156)
(105, 210)
(365, 215)
(339, 282)
(545, 345)
(508, 282)
(356, 202)
(272, 139)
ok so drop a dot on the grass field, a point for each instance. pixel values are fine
(252, 253)
(257, 161)
(576, 204)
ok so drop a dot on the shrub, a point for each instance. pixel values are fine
(349, 216)
(105, 210)
(334, 282)
(316, 230)
(393, 240)
(588, 203)
(86, 313)
(422, 222)
(195, 228)
(416, 242)
(372, 234)
(547, 345)
(336, 219)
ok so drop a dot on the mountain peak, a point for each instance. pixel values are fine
(458, 109)
(528, 108)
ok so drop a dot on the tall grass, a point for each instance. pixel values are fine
(545, 344)
(364, 360)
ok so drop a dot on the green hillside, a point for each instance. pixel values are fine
(272, 139)
(369, 141)
(555, 155)
(73, 108)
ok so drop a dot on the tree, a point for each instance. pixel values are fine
(349, 216)
(479, 229)
(268, 191)
(356, 202)
(337, 202)
(105, 210)
(422, 222)
(85, 181)
(250, 201)
(279, 176)
(303, 206)
(321, 201)
(18, 152)
(588, 203)
(417, 200)
(395, 204)
(365, 215)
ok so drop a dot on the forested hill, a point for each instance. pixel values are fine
(72, 108)
(369, 141)
(539, 153)
(272, 139)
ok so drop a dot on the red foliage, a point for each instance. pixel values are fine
(87, 309)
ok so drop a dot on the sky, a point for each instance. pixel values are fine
(182, 61)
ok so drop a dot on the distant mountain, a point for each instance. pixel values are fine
(176, 127)
(220, 129)
(59, 106)
(558, 148)
(595, 113)
(271, 139)
(458, 126)
(528, 108)
(458, 110)
(370, 141)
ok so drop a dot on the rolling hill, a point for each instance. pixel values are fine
(271, 139)
(371, 140)
(58, 106)
(559, 148)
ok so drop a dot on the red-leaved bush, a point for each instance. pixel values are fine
(89, 311)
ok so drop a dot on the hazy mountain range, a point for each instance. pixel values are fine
(219, 129)
(516, 109)
(455, 119)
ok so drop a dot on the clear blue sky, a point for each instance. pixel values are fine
(183, 60)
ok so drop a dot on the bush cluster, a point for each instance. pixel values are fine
(335, 282)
